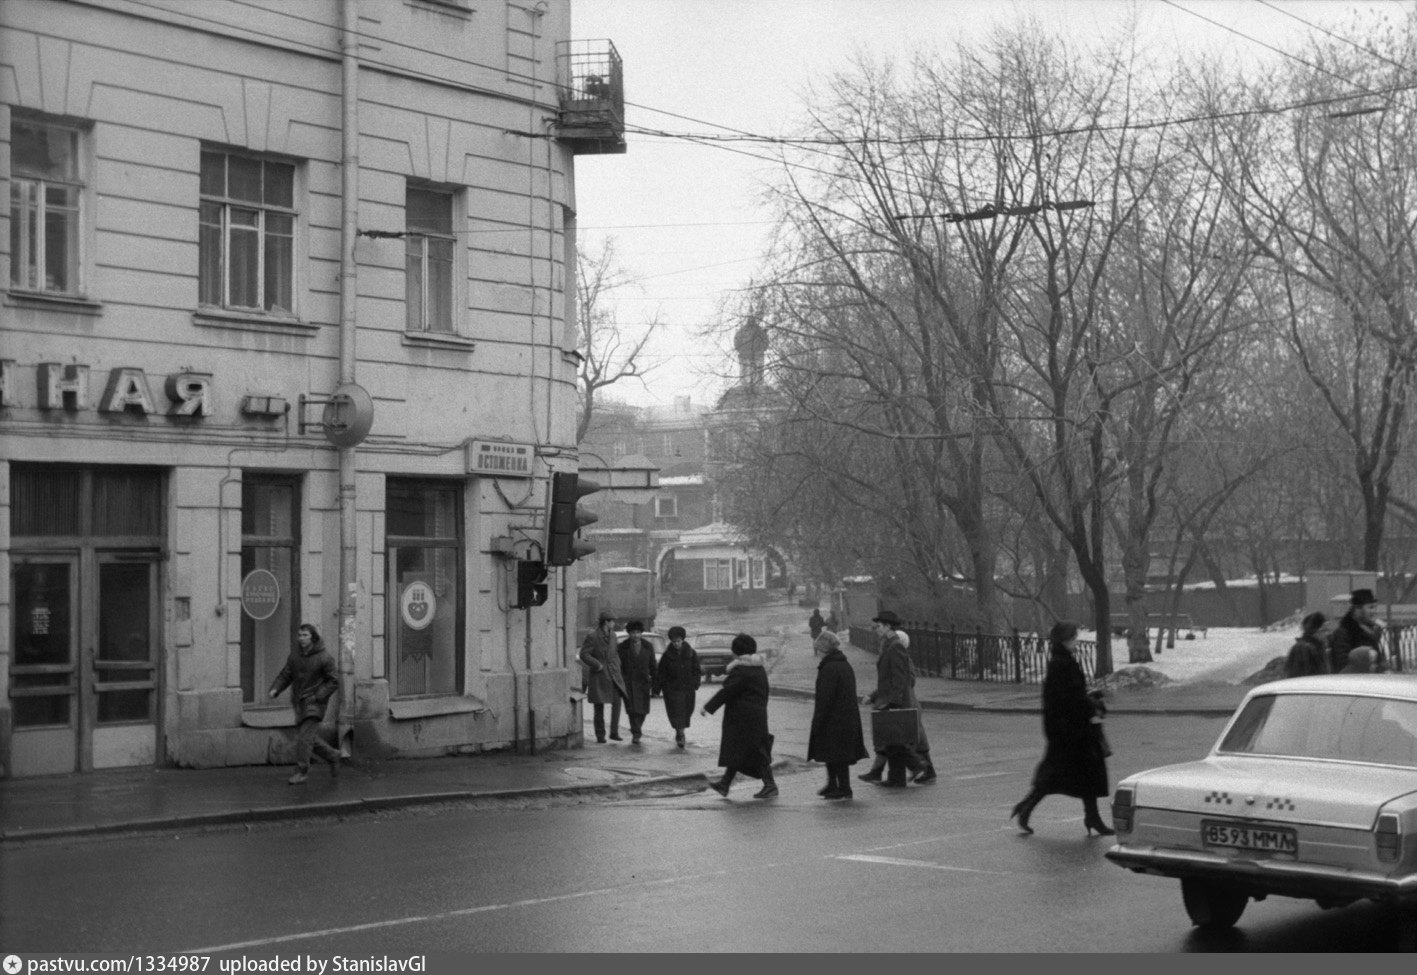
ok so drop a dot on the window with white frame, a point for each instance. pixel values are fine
(46, 204)
(718, 573)
(666, 506)
(760, 574)
(431, 252)
(246, 244)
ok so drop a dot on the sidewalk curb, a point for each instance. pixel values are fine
(346, 808)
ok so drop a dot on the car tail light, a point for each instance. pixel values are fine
(1388, 836)
(1123, 806)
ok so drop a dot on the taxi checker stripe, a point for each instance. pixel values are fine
(1220, 798)
(1285, 804)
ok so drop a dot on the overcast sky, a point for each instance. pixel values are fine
(688, 220)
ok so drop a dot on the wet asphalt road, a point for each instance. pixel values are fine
(932, 868)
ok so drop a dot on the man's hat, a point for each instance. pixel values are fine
(1362, 597)
(887, 617)
(634, 626)
(605, 617)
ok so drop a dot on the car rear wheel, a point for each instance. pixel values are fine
(1212, 906)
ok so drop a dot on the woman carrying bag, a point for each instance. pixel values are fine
(1074, 762)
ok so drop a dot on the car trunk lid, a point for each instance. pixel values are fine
(1277, 790)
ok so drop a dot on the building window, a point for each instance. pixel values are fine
(46, 204)
(666, 506)
(428, 219)
(425, 602)
(718, 573)
(270, 571)
(760, 574)
(246, 242)
(617, 449)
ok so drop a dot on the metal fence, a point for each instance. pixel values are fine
(1015, 658)
(1021, 658)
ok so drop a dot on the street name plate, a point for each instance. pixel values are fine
(499, 458)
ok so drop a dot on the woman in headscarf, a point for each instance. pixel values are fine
(837, 739)
(1074, 763)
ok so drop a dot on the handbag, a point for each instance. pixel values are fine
(895, 727)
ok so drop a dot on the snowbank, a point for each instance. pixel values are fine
(1224, 656)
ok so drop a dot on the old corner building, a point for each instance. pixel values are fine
(285, 338)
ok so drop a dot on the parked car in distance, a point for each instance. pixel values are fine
(1310, 792)
(715, 650)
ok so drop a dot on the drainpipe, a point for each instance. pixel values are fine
(348, 456)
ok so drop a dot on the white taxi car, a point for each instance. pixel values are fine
(1310, 792)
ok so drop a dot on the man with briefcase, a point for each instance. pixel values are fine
(896, 730)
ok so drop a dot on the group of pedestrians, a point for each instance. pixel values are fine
(1351, 645)
(626, 676)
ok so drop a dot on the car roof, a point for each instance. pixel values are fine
(1367, 685)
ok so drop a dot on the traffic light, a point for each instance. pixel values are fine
(567, 517)
(531, 584)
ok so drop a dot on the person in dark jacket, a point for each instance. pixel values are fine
(309, 672)
(604, 683)
(677, 678)
(1309, 654)
(1356, 628)
(895, 688)
(1074, 763)
(746, 745)
(836, 739)
(815, 623)
(637, 669)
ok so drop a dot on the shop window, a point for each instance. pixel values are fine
(59, 501)
(431, 251)
(246, 239)
(424, 549)
(46, 206)
(270, 548)
(760, 574)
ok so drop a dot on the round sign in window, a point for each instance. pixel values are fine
(260, 594)
(417, 605)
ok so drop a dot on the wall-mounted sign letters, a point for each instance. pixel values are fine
(498, 458)
(65, 386)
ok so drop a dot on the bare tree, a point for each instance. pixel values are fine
(609, 352)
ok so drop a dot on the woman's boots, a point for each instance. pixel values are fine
(1092, 819)
(1024, 809)
(769, 788)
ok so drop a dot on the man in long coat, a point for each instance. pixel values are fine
(604, 684)
(677, 677)
(836, 739)
(895, 688)
(637, 669)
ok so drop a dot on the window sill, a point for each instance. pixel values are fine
(439, 340)
(453, 8)
(220, 318)
(427, 707)
(282, 717)
(52, 302)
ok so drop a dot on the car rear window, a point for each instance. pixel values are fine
(1329, 726)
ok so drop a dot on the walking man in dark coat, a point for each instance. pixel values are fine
(309, 672)
(815, 623)
(604, 684)
(836, 739)
(1357, 628)
(895, 688)
(677, 677)
(746, 745)
(637, 669)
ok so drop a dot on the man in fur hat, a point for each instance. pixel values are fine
(1357, 628)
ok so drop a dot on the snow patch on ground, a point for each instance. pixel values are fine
(1225, 655)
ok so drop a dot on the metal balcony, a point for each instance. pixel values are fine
(591, 84)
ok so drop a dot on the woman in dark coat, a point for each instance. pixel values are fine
(1309, 654)
(1073, 762)
(836, 739)
(746, 745)
(677, 677)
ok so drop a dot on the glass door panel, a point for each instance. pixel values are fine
(44, 686)
(122, 685)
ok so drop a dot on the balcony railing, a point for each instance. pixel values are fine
(591, 84)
